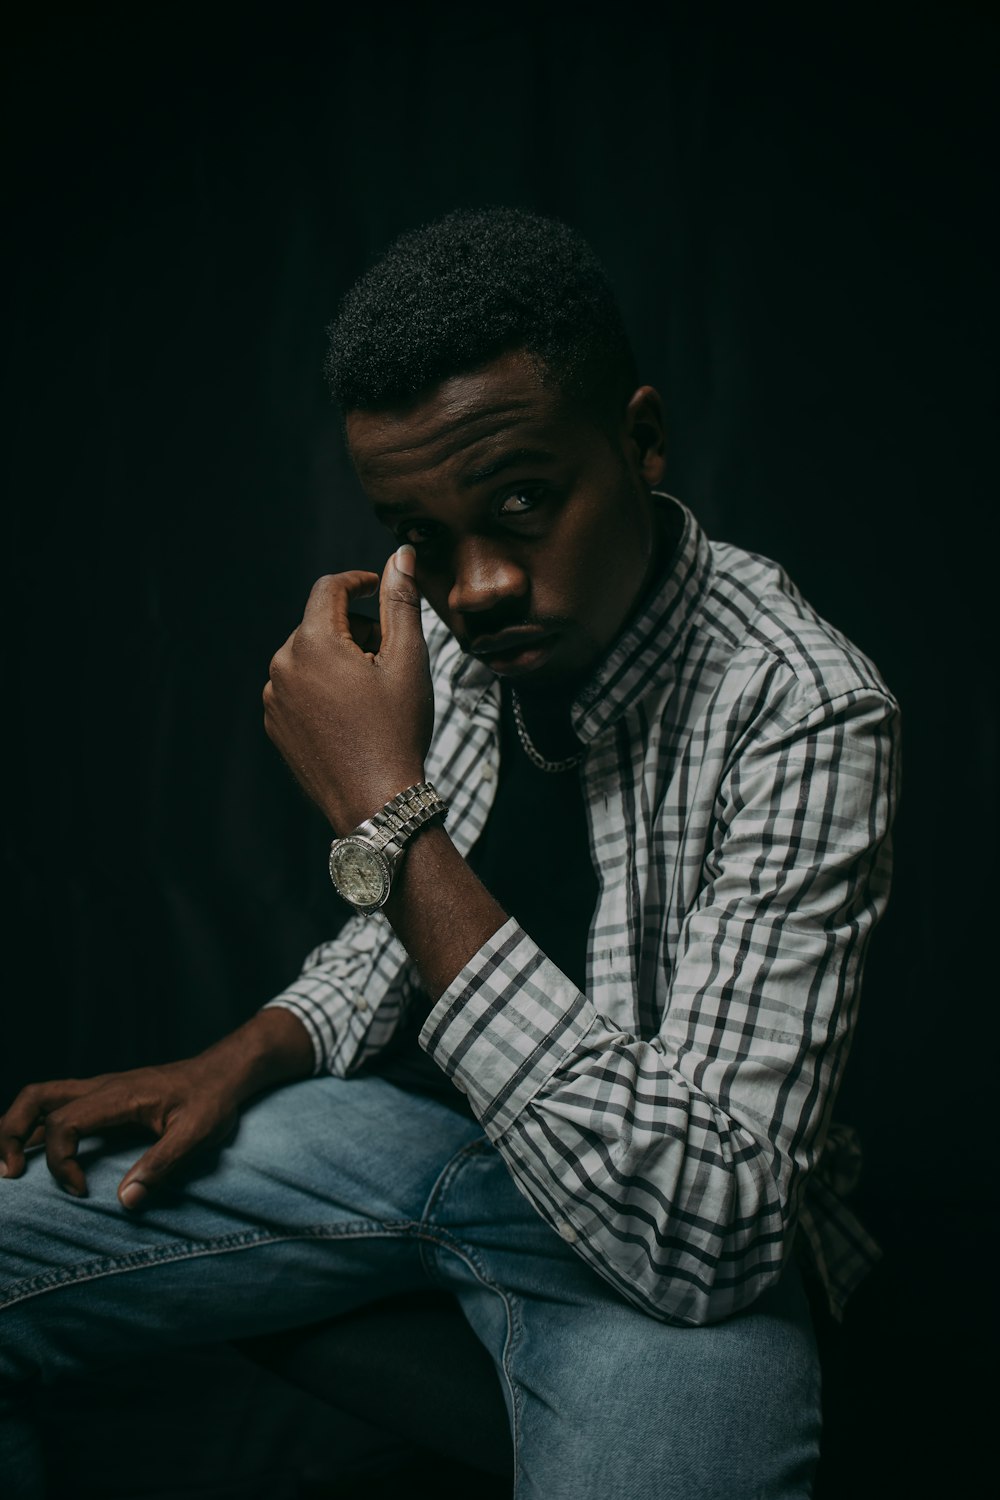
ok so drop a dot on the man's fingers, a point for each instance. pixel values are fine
(61, 1141)
(65, 1128)
(23, 1125)
(176, 1143)
(11, 1158)
(68, 1172)
(35, 1102)
(399, 601)
(331, 596)
(366, 632)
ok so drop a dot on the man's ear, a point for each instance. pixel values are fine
(646, 435)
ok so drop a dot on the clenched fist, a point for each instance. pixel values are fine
(353, 723)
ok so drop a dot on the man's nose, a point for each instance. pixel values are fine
(485, 576)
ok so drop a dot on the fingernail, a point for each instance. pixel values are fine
(406, 559)
(74, 1192)
(132, 1195)
(3, 1169)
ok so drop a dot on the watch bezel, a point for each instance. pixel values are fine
(379, 858)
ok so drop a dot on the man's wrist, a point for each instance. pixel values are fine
(440, 910)
(270, 1049)
(364, 864)
(345, 814)
(371, 800)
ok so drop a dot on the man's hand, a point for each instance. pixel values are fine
(186, 1105)
(354, 724)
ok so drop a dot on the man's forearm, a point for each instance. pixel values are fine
(270, 1049)
(440, 911)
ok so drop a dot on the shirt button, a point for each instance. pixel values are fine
(360, 1003)
(488, 773)
(568, 1233)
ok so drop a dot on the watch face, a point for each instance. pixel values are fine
(360, 873)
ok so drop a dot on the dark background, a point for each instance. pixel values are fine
(795, 209)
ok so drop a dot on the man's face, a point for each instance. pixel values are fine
(534, 529)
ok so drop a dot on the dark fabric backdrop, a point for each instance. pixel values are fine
(795, 213)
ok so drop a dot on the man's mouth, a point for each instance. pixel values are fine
(513, 652)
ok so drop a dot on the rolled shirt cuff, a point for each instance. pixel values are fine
(506, 1023)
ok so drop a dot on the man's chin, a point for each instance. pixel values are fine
(550, 680)
(547, 667)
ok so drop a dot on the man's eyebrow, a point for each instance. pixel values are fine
(511, 460)
(385, 510)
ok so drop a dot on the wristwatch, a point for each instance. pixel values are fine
(363, 864)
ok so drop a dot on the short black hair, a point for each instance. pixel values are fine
(451, 296)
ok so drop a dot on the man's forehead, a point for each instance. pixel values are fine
(505, 400)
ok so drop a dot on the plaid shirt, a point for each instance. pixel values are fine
(673, 1123)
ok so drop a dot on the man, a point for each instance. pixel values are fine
(620, 803)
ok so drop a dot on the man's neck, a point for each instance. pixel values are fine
(548, 709)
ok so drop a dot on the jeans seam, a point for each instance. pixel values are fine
(514, 1331)
(443, 1181)
(435, 1235)
(141, 1260)
(448, 1171)
(444, 1240)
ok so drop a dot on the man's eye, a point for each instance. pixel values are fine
(415, 533)
(516, 505)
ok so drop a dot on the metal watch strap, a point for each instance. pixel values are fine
(399, 819)
(384, 836)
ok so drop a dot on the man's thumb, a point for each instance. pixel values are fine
(404, 560)
(399, 597)
(159, 1161)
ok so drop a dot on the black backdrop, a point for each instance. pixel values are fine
(795, 213)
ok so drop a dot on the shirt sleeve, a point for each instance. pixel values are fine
(675, 1164)
(349, 995)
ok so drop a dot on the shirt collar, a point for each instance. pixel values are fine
(644, 655)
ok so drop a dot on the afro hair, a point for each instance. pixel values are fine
(455, 294)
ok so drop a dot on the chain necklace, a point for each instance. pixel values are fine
(536, 758)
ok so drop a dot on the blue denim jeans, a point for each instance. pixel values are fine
(333, 1194)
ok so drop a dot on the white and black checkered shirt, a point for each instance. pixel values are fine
(673, 1123)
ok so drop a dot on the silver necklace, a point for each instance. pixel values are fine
(536, 758)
